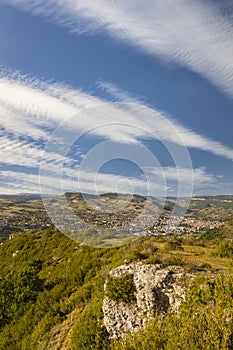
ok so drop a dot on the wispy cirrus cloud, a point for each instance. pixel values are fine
(20, 181)
(188, 137)
(192, 33)
(38, 106)
(199, 175)
(30, 111)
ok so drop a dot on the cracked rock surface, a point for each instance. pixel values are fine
(158, 290)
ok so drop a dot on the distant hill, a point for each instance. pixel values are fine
(109, 210)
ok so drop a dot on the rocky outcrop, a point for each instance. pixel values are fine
(158, 290)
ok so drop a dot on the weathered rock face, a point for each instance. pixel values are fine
(158, 290)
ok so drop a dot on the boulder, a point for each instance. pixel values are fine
(158, 290)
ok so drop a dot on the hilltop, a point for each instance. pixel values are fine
(52, 291)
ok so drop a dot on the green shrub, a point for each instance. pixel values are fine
(174, 244)
(121, 289)
(88, 332)
(204, 321)
(225, 249)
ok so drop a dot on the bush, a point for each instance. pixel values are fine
(224, 249)
(88, 333)
(121, 289)
(174, 244)
(203, 323)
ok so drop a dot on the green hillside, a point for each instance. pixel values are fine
(51, 292)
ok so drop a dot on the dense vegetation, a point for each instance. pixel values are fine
(51, 292)
(121, 289)
(204, 321)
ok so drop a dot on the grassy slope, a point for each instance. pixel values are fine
(51, 289)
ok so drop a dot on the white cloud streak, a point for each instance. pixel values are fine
(37, 106)
(199, 175)
(21, 181)
(157, 119)
(193, 33)
(31, 109)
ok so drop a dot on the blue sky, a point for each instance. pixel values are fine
(116, 96)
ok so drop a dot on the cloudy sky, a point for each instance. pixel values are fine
(116, 95)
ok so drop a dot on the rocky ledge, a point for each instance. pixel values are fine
(156, 290)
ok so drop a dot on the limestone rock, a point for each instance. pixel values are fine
(158, 290)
